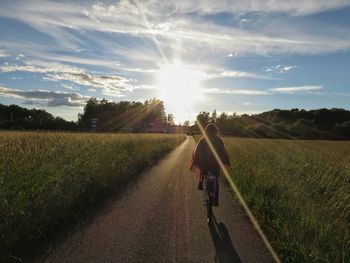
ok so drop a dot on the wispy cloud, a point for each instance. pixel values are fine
(3, 53)
(46, 68)
(236, 91)
(66, 23)
(234, 74)
(280, 68)
(299, 89)
(279, 90)
(302, 7)
(48, 98)
(108, 84)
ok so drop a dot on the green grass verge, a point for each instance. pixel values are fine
(300, 193)
(50, 179)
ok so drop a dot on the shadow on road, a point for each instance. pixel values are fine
(224, 250)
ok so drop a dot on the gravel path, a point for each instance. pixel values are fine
(162, 219)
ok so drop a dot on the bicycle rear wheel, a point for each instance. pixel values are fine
(209, 200)
(209, 210)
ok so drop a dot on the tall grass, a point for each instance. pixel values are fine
(300, 193)
(48, 179)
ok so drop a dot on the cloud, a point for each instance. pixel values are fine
(170, 26)
(19, 57)
(232, 74)
(49, 98)
(279, 68)
(65, 101)
(244, 20)
(108, 84)
(3, 53)
(299, 89)
(41, 68)
(236, 91)
(139, 70)
(302, 7)
(272, 91)
(230, 55)
(69, 87)
(241, 74)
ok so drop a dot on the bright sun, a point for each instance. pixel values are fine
(179, 86)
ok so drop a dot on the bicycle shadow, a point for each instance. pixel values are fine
(224, 250)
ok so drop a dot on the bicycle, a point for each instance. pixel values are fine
(210, 187)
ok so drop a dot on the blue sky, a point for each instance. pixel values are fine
(251, 56)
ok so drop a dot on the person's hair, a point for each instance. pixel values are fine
(211, 129)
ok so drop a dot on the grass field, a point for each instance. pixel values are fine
(300, 193)
(49, 179)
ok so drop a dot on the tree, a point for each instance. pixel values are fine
(343, 129)
(170, 119)
(124, 115)
(303, 128)
(186, 123)
(223, 122)
(203, 118)
(90, 111)
(214, 116)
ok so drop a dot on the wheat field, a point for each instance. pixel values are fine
(49, 179)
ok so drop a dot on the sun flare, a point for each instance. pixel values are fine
(179, 86)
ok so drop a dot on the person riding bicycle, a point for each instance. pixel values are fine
(204, 161)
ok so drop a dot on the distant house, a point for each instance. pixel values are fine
(93, 123)
(160, 127)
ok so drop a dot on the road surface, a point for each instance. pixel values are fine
(162, 219)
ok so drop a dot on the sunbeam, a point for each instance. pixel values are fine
(238, 195)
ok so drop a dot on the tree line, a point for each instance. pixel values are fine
(19, 118)
(150, 116)
(295, 123)
(98, 115)
(131, 116)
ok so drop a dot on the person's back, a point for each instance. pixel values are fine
(205, 158)
(208, 154)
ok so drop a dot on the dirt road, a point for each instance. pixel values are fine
(162, 219)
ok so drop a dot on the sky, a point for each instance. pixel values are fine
(231, 56)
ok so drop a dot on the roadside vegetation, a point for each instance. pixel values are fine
(48, 180)
(282, 124)
(300, 193)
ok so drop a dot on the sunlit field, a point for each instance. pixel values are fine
(49, 179)
(300, 193)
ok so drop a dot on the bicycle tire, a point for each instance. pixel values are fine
(209, 202)
(209, 211)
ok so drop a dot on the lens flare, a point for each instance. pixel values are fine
(179, 86)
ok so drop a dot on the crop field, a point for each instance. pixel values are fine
(300, 193)
(49, 179)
